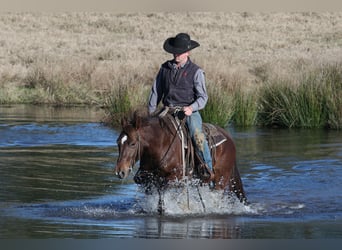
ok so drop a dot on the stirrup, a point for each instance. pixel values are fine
(206, 173)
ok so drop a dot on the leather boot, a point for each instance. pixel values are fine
(207, 174)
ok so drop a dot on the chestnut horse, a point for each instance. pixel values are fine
(155, 143)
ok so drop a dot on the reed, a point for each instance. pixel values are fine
(312, 102)
(332, 78)
(245, 108)
(308, 99)
(123, 100)
(219, 109)
(118, 104)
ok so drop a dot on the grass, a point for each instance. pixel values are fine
(314, 102)
(245, 108)
(219, 110)
(123, 101)
(266, 69)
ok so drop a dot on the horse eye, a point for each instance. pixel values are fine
(132, 144)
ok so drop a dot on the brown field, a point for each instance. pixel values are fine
(70, 58)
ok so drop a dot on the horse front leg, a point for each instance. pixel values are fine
(161, 202)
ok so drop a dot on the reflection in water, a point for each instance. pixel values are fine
(56, 181)
(190, 228)
(46, 155)
(54, 173)
(27, 114)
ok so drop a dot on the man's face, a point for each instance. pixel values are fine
(181, 58)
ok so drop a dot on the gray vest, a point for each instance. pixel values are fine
(178, 85)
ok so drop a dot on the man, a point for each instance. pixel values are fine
(181, 83)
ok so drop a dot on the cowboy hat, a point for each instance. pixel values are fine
(179, 44)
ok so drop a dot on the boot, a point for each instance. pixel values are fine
(207, 174)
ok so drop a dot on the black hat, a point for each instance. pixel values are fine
(179, 44)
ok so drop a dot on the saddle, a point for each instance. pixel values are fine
(173, 118)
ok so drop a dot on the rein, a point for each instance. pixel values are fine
(178, 131)
(138, 152)
(180, 119)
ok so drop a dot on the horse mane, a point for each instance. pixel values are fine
(134, 121)
(139, 119)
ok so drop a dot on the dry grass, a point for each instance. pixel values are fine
(80, 57)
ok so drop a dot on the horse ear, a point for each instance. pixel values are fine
(124, 122)
(137, 119)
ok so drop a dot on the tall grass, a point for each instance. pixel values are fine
(311, 99)
(119, 104)
(285, 105)
(332, 78)
(51, 81)
(245, 108)
(313, 102)
(219, 109)
(123, 100)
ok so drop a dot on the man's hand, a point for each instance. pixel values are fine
(187, 110)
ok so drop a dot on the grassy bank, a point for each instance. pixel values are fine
(311, 101)
(267, 69)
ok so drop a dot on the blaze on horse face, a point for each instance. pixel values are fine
(128, 152)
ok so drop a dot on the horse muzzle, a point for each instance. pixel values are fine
(123, 173)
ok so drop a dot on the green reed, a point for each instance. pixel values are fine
(123, 100)
(312, 102)
(285, 105)
(118, 104)
(219, 109)
(245, 108)
(332, 78)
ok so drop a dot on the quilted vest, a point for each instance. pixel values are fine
(178, 85)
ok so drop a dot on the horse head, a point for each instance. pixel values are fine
(129, 147)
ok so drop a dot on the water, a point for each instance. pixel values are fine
(56, 173)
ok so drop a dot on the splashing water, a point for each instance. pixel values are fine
(194, 200)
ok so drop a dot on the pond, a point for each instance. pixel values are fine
(57, 181)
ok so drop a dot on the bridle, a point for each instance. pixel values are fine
(137, 154)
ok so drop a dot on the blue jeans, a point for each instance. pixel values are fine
(194, 123)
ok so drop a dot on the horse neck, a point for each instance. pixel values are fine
(150, 135)
(155, 139)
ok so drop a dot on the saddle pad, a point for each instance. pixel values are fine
(214, 136)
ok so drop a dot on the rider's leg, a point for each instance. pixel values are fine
(194, 123)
